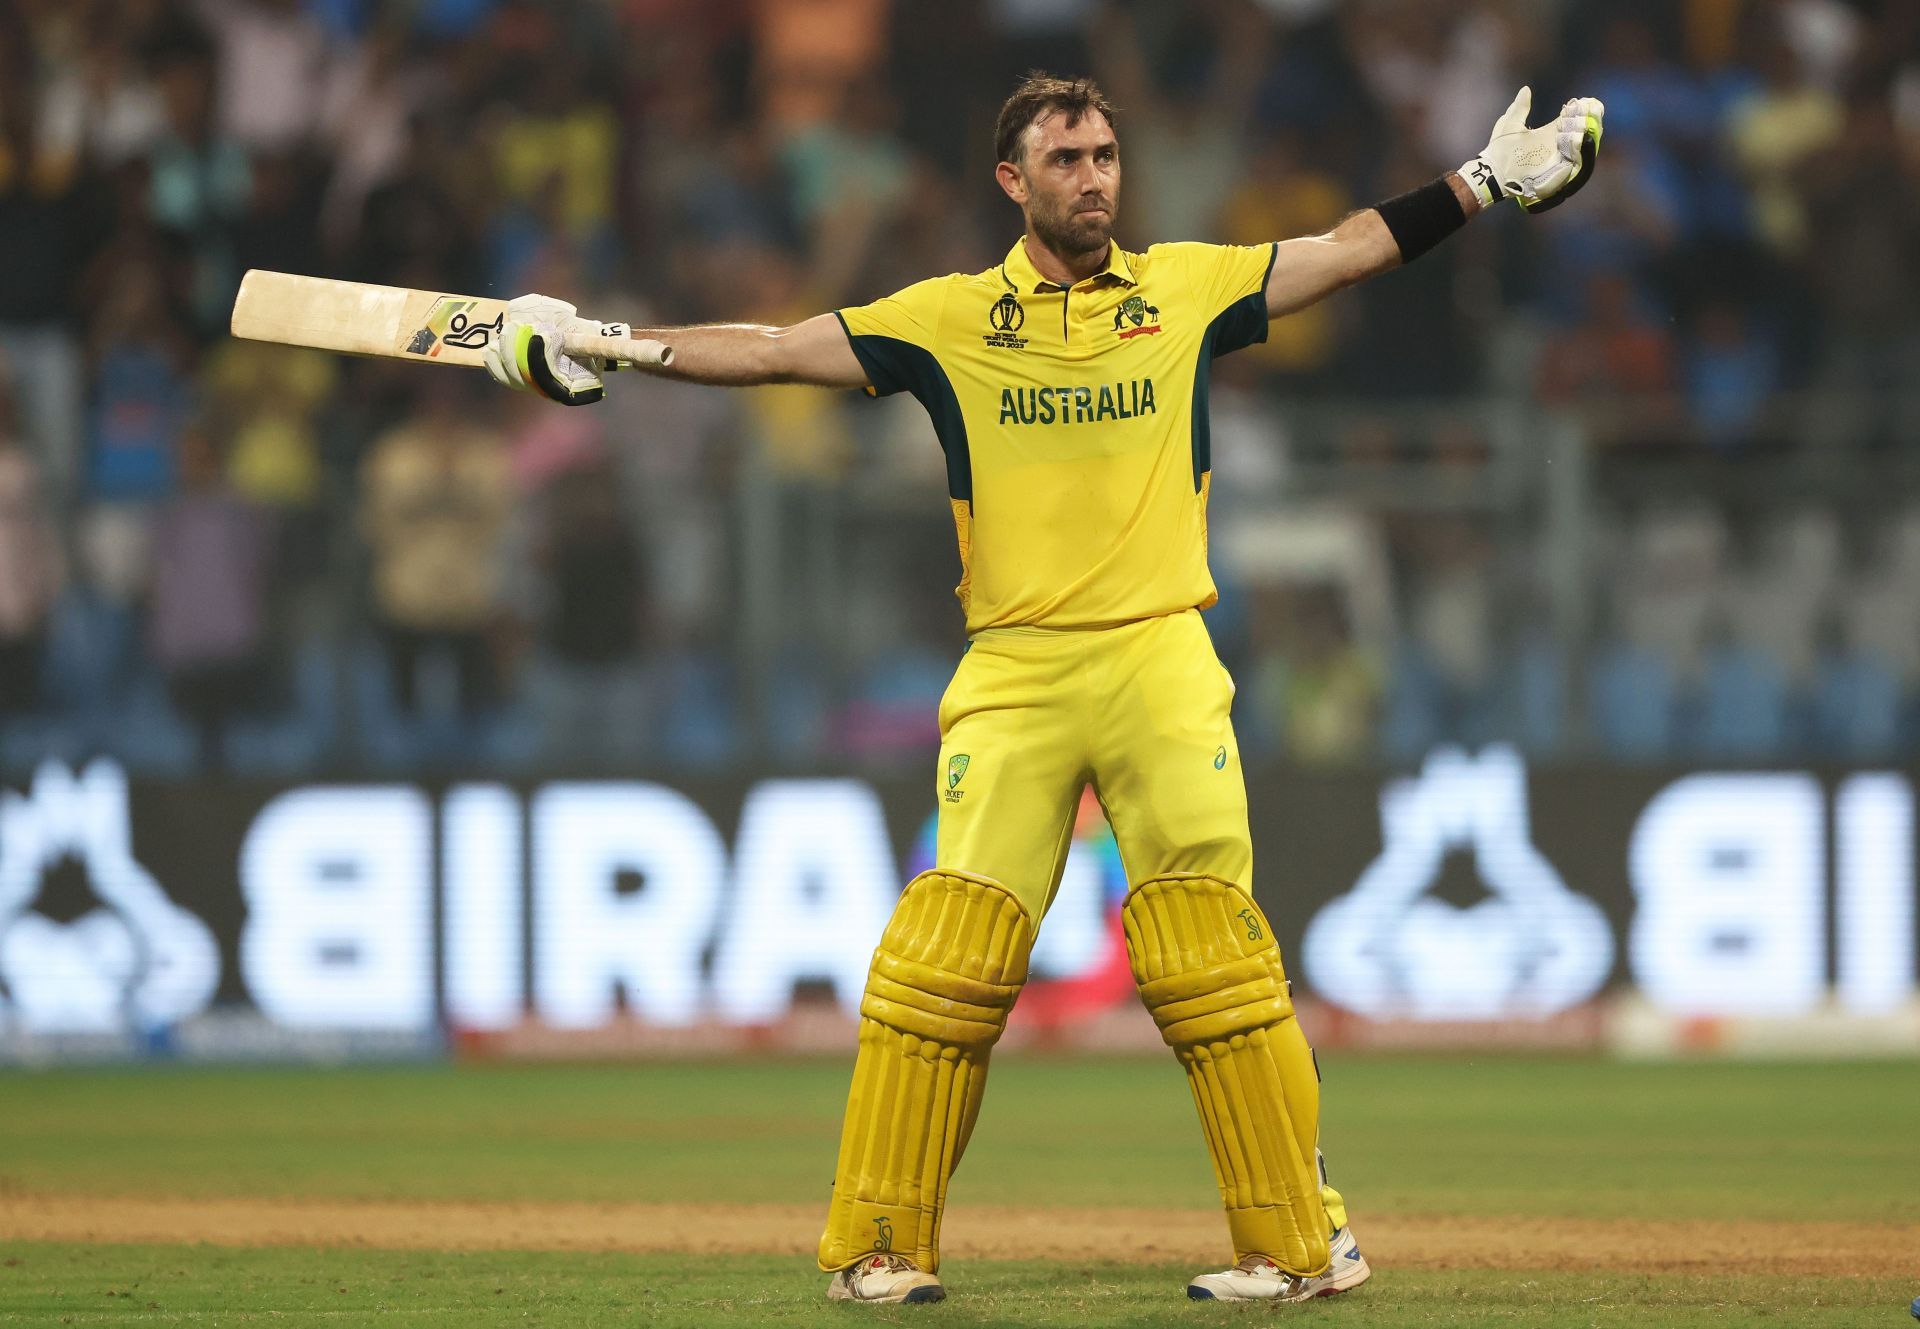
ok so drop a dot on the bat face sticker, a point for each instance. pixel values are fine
(451, 324)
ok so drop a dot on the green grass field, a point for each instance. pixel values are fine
(1783, 1149)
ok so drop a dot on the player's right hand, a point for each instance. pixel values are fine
(529, 353)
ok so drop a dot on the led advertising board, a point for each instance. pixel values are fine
(1471, 889)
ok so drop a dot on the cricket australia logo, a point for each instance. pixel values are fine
(1131, 319)
(452, 324)
(1390, 948)
(1006, 316)
(106, 951)
(956, 772)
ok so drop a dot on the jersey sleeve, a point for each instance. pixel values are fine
(1230, 281)
(896, 336)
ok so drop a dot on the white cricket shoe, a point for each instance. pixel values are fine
(1257, 1278)
(885, 1278)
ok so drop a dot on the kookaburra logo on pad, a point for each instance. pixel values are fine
(135, 961)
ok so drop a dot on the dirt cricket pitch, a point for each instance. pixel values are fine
(1151, 1235)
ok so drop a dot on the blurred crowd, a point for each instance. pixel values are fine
(219, 556)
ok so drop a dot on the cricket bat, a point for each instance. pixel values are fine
(398, 323)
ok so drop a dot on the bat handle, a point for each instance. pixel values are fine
(611, 344)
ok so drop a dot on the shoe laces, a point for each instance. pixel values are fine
(1261, 1265)
(888, 1262)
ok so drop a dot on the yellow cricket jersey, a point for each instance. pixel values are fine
(1074, 422)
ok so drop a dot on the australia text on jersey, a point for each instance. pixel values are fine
(1077, 405)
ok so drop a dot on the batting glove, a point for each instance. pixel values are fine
(1541, 168)
(529, 354)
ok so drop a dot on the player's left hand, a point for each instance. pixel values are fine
(1542, 167)
(530, 355)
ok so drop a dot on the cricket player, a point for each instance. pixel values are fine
(1068, 386)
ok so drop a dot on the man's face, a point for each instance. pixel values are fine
(1068, 182)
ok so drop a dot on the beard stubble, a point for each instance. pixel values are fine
(1069, 233)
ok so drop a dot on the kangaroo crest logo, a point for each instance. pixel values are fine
(1388, 948)
(1134, 310)
(134, 961)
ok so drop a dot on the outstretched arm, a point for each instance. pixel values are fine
(529, 354)
(1308, 270)
(1539, 168)
(815, 352)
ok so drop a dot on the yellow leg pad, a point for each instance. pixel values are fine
(1336, 1207)
(946, 973)
(1210, 973)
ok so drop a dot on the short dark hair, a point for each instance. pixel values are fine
(1038, 95)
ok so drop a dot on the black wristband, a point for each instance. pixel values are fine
(1422, 218)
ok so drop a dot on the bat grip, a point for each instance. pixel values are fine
(637, 351)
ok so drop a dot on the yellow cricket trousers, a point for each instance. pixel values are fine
(1139, 711)
(1031, 717)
